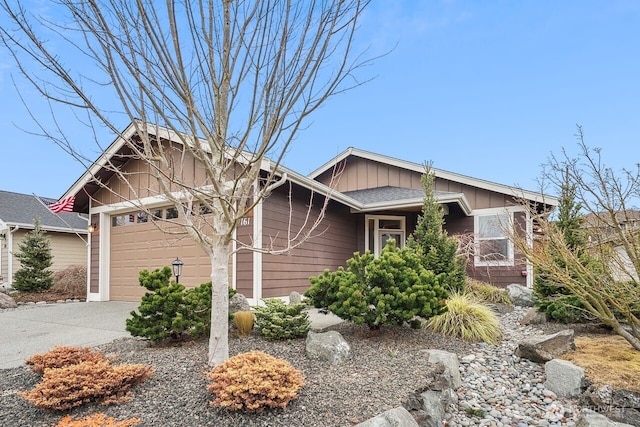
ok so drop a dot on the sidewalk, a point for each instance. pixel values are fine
(33, 329)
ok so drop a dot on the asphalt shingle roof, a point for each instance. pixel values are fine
(16, 208)
(388, 194)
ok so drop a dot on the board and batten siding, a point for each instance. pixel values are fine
(334, 242)
(362, 174)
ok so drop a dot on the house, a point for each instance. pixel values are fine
(66, 232)
(377, 198)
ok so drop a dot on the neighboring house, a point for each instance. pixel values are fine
(17, 212)
(376, 198)
(601, 228)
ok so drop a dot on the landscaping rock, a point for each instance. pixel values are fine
(617, 404)
(397, 417)
(295, 298)
(450, 361)
(547, 347)
(564, 378)
(429, 405)
(520, 295)
(589, 418)
(238, 302)
(6, 301)
(327, 346)
(533, 317)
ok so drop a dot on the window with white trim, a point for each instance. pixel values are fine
(493, 247)
(381, 228)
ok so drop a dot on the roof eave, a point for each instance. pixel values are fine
(463, 179)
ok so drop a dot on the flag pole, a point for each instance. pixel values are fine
(86, 242)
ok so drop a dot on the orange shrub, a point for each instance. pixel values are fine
(62, 356)
(71, 386)
(254, 381)
(96, 420)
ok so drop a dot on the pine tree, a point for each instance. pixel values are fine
(440, 252)
(557, 302)
(35, 259)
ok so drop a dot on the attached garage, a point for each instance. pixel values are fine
(136, 244)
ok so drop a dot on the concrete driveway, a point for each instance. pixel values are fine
(33, 329)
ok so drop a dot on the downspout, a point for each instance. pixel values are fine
(276, 184)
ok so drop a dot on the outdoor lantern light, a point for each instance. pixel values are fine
(177, 268)
(92, 228)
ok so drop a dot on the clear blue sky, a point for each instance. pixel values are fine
(483, 88)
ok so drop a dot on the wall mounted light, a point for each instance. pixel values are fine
(92, 228)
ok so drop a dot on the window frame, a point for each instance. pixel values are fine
(507, 215)
(378, 232)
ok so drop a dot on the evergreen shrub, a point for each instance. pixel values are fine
(253, 382)
(75, 376)
(389, 290)
(34, 254)
(96, 420)
(168, 311)
(279, 321)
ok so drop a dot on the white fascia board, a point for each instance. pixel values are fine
(27, 226)
(318, 187)
(451, 176)
(458, 198)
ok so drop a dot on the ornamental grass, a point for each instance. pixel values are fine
(467, 319)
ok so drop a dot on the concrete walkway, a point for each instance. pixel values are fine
(33, 329)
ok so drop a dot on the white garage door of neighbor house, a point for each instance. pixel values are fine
(138, 244)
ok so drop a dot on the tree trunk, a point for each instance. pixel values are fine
(218, 339)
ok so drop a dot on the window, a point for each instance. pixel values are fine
(172, 213)
(493, 246)
(156, 213)
(380, 229)
(117, 220)
(143, 217)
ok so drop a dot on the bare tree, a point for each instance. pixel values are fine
(224, 82)
(607, 288)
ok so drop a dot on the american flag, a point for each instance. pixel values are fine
(63, 205)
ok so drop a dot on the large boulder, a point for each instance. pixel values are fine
(450, 362)
(295, 298)
(6, 301)
(429, 404)
(541, 349)
(397, 417)
(589, 418)
(617, 404)
(520, 295)
(564, 378)
(327, 347)
(237, 303)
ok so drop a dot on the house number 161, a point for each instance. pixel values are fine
(245, 221)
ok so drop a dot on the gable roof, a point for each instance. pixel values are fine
(20, 209)
(377, 199)
(439, 173)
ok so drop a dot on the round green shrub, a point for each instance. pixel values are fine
(389, 290)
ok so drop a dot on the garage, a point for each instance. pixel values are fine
(136, 243)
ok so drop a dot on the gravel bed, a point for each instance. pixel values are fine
(384, 368)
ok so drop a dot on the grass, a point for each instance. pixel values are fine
(487, 293)
(607, 360)
(467, 319)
